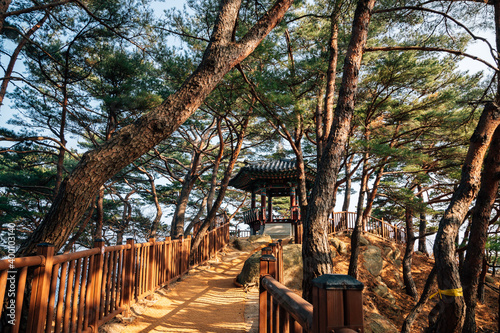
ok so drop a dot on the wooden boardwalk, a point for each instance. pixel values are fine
(206, 300)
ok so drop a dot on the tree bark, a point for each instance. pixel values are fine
(348, 182)
(358, 227)
(452, 308)
(479, 231)
(197, 217)
(132, 141)
(100, 214)
(215, 171)
(315, 249)
(4, 5)
(156, 222)
(422, 226)
(177, 227)
(331, 75)
(410, 318)
(81, 229)
(410, 287)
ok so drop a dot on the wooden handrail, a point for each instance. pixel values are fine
(341, 221)
(37, 260)
(80, 291)
(337, 301)
(296, 306)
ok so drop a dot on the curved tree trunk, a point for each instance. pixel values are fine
(410, 318)
(348, 182)
(132, 141)
(197, 217)
(479, 231)
(215, 170)
(331, 75)
(99, 223)
(452, 308)
(410, 287)
(156, 222)
(177, 227)
(422, 225)
(358, 227)
(315, 249)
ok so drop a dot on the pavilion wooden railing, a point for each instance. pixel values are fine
(341, 221)
(252, 215)
(337, 304)
(78, 292)
(239, 233)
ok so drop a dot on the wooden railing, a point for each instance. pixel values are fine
(342, 221)
(239, 233)
(337, 304)
(80, 291)
(252, 215)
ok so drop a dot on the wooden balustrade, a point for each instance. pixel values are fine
(80, 291)
(337, 304)
(341, 221)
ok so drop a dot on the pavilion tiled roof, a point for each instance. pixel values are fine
(282, 169)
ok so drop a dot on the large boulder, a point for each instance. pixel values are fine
(260, 239)
(250, 272)
(363, 241)
(338, 245)
(243, 244)
(376, 323)
(251, 243)
(292, 266)
(373, 261)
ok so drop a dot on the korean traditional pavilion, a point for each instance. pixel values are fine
(271, 179)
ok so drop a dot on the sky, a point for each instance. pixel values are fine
(479, 49)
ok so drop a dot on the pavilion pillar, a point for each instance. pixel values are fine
(263, 205)
(293, 203)
(270, 208)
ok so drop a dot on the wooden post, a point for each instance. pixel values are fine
(97, 285)
(129, 277)
(280, 261)
(40, 290)
(168, 263)
(337, 303)
(267, 267)
(151, 268)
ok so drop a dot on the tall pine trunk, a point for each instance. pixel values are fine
(451, 309)
(177, 227)
(315, 250)
(410, 287)
(358, 226)
(479, 231)
(422, 225)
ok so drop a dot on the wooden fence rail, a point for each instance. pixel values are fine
(78, 292)
(337, 304)
(341, 221)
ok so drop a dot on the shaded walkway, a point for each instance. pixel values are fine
(204, 301)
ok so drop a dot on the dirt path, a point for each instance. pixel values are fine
(204, 301)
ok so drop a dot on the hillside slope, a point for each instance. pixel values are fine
(384, 294)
